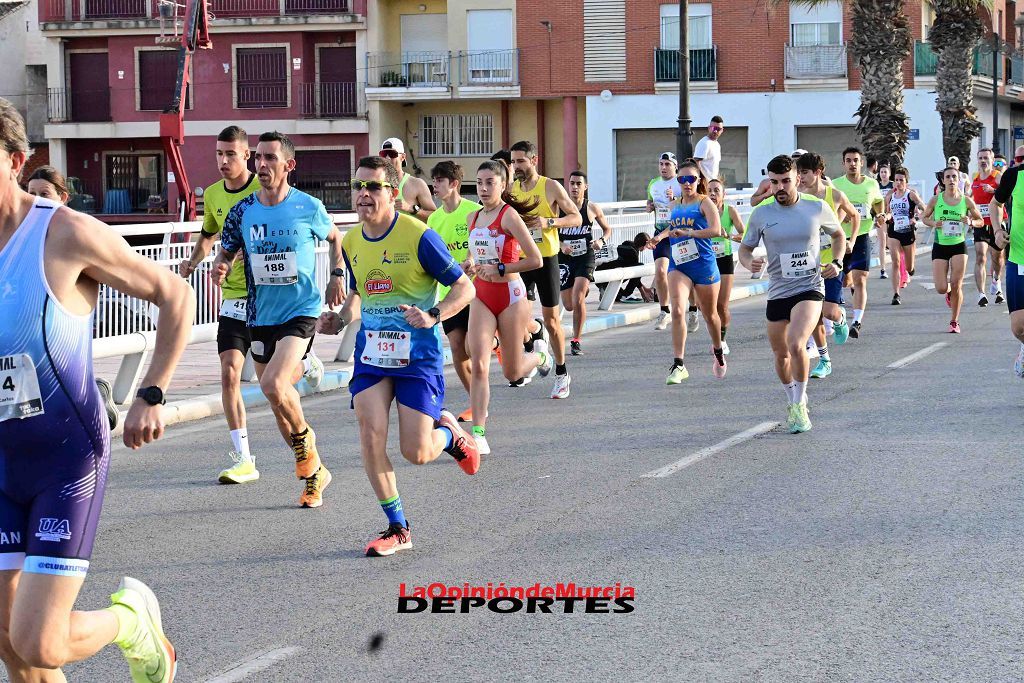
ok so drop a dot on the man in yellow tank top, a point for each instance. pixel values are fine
(544, 222)
(414, 196)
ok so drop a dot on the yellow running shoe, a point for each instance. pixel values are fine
(313, 494)
(150, 655)
(244, 470)
(307, 459)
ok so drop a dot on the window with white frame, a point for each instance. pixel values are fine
(818, 25)
(698, 27)
(456, 135)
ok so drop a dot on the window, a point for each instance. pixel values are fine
(457, 135)
(698, 27)
(325, 174)
(138, 176)
(261, 77)
(829, 142)
(637, 151)
(157, 79)
(425, 49)
(489, 39)
(819, 25)
(604, 40)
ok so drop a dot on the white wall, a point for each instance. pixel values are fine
(23, 42)
(772, 119)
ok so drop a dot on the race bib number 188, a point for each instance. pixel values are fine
(19, 388)
(274, 269)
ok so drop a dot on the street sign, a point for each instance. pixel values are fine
(1018, 132)
(915, 134)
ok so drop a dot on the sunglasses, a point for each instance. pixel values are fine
(370, 185)
(716, 129)
(1018, 159)
(687, 179)
(389, 153)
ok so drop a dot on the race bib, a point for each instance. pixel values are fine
(19, 388)
(485, 251)
(577, 247)
(274, 269)
(684, 252)
(233, 308)
(387, 348)
(901, 223)
(661, 214)
(537, 234)
(983, 209)
(863, 209)
(603, 254)
(952, 228)
(718, 248)
(826, 241)
(797, 265)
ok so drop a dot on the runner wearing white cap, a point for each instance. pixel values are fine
(414, 196)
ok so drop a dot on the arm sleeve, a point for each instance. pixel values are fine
(351, 273)
(436, 260)
(752, 236)
(231, 239)
(1007, 182)
(321, 223)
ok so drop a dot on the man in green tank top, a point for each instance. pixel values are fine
(413, 193)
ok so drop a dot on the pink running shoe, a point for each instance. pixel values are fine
(718, 368)
(954, 327)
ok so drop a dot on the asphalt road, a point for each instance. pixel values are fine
(884, 544)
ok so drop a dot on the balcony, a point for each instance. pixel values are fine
(426, 75)
(926, 63)
(703, 65)
(815, 61)
(54, 11)
(331, 101)
(64, 105)
(408, 69)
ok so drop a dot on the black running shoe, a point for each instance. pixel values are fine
(999, 298)
(983, 301)
(575, 348)
(855, 330)
(896, 301)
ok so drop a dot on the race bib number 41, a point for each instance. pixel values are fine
(233, 308)
(387, 348)
(274, 269)
(797, 265)
(19, 388)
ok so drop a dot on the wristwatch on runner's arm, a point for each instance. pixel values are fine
(436, 312)
(838, 264)
(153, 395)
(338, 272)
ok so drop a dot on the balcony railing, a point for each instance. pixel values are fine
(703, 64)
(331, 100)
(90, 10)
(64, 105)
(408, 69)
(815, 61)
(926, 62)
(333, 189)
(1016, 75)
(269, 94)
(490, 67)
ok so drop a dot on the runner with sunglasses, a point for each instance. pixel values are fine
(691, 225)
(949, 213)
(395, 265)
(414, 196)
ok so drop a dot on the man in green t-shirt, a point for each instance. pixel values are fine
(449, 221)
(233, 341)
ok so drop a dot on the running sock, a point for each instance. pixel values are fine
(678, 362)
(858, 313)
(724, 328)
(791, 392)
(664, 309)
(560, 369)
(719, 356)
(127, 624)
(479, 431)
(800, 392)
(823, 352)
(393, 509)
(240, 440)
(448, 436)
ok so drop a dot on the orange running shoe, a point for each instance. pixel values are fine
(463, 447)
(313, 493)
(497, 349)
(466, 415)
(307, 459)
(396, 537)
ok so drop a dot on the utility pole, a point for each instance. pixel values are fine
(996, 51)
(684, 134)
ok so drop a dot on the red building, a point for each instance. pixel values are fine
(286, 65)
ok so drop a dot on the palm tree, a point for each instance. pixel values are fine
(954, 36)
(880, 43)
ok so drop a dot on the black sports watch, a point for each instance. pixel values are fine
(338, 272)
(153, 395)
(501, 269)
(436, 312)
(838, 264)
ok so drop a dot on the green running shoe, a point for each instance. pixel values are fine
(801, 420)
(150, 655)
(841, 331)
(677, 374)
(822, 369)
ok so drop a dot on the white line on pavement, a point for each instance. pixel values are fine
(254, 664)
(904, 362)
(711, 450)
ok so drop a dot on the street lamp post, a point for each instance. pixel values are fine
(684, 133)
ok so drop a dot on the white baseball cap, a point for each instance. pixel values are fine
(668, 156)
(798, 152)
(393, 143)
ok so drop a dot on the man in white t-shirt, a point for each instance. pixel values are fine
(708, 152)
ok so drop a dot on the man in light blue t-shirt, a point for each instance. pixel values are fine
(277, 229)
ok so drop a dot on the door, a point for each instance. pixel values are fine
(88, 85)
(489, 38)
(337, 82)
(425, 49)
(325, 174)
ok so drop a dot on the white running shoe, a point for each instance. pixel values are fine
(540, 346)
(993, 287)
(725, 348)
(315, 374)
(481, 444)
(692, 321)
(1018, 366)
(561, 389)
(663, 320)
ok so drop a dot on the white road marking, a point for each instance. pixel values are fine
(904, 362)
(255, 664)
(711, 450)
